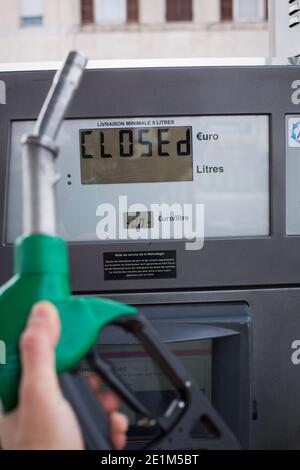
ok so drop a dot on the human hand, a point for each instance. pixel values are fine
(44, 420)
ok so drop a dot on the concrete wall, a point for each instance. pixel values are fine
(206, 36)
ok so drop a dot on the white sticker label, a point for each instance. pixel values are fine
(2, 92)
(294, 132)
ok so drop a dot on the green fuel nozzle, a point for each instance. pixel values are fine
(41, 265)
(41, 272)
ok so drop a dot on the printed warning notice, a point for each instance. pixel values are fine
(139, 265)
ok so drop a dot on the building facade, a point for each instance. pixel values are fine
(39, 30)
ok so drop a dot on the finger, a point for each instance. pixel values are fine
(47, 314)
(119, 426)
(109, 400)
(37, 345)
(8, 426)
(118, 423)
(119, 441)
(93, 380)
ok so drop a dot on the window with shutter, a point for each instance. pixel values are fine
(226, 10)
(179, 10)
(110, 12)
(252, 11)
(31, 12)
(87, 11)
(244, 10)
(132, 11)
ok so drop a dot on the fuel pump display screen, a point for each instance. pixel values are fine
(136, 155)
(153, 178)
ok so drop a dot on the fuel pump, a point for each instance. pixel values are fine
(41, 272)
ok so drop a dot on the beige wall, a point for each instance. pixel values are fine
(205, 37)
(61, 13)
(9, 18)
(152, 12)
(206, 11)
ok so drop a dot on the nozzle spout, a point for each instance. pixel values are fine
(61, 93)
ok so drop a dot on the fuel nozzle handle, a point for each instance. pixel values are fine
(39, 150)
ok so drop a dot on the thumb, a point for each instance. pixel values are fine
(39, 380)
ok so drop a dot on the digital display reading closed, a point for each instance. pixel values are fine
(221, 162)
(136, 155)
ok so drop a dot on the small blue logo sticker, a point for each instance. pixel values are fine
(296, 132)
